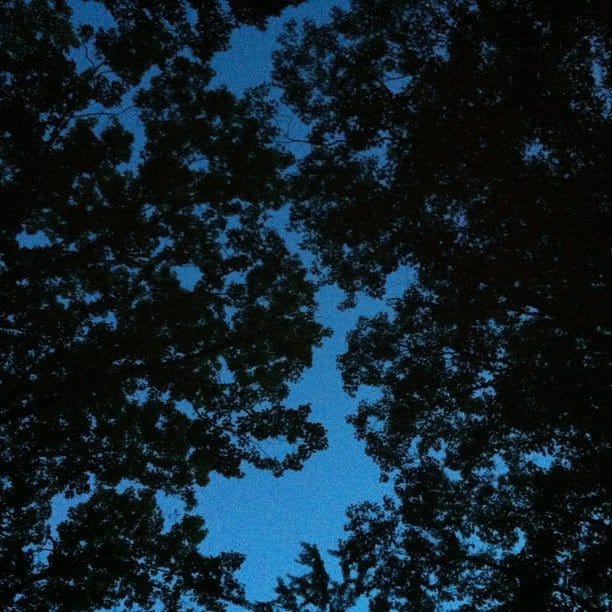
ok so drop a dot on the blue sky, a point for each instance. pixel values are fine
(266, 517)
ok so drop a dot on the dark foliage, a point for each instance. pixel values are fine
(256, 13)
(469, 140)
(121, 165)
(313, 591)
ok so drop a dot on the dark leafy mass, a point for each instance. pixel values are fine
(123, 174)
(312, 590)
(469, 140)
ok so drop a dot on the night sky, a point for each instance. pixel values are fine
(266, 517)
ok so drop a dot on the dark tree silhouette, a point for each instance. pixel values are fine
(312, 588)
(469, 139)
(256, 13)
(313, 591)
(121, 165)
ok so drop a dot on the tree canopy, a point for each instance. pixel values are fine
(122, 168)
(469, 140)
(152, 320)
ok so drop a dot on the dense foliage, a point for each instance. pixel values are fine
(312, 590)
(468, 139)
(124, 176)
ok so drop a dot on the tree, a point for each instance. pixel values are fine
(123, 169)
(313, 591)
(256, 13)
(468, 140)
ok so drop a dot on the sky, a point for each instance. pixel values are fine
(264, 517)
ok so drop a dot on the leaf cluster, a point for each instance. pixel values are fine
(122, 172)
(468, 141)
